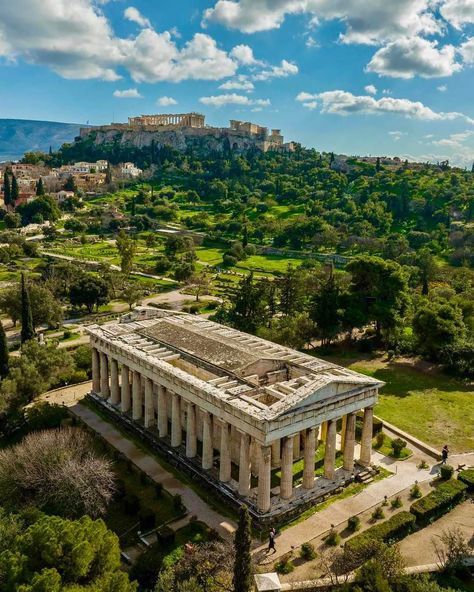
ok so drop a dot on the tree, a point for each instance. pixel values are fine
(56, 471)
(4, 353)
(89, 291)
(326, 310)
(427, 268)
(242, 580)
(294, 331)
(15, 191)
(70, 184)
(27, 327)
(127, 248)
(108, 174)
(12, 220)
(40, 188)
(452, 549)
(46, 309)
(291, 291)
(53, 554)
(130, 294)
(248, 305)
(199, 283)
(6, 189)
(438, 324)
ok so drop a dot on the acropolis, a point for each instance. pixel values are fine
(234, 409)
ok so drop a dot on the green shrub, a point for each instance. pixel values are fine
(333, 538)
(439, 501)
(396, 503)
(353, 524)
(379, 440)
(415, 491)
(165, 535)
(446, 472)
(393, 529)
(397, 446)
(378, 513)
(284, 566)
(423, 465)
(307, 551)
(467, 477)
(43, 416)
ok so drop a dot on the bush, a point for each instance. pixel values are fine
(307, 551)
(165, 535)
(415, 491)
(378, 513)
(284, 566)
(393, 529)
(439, 501)
(396, 503)
(120, 490)
(147, 519)
(467, 477)
(43, 416)
(333, 538)
(194, 308)
(229, 260)
(423, 464)
(379, 440)
(397, 446)
(131, 504)
(353, 524)
(446, 472)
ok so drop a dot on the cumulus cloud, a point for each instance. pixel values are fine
(233, 99)
(458, 12)
(454, 140)
(75, 40)
(340, 102)
(166, 101)
(133, 14)
(467, 51)
(129, 93)
(244, 55)
(406, 58)
(371, 89)
(282, 71)
(396, 135)
(240, 83)
(442, 88)
(371, 21)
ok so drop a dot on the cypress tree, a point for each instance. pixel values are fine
(7, 192)
(108, 174)
(15, 192)
(3, 352)
(40, 187)
(27, 328)
(242, 580)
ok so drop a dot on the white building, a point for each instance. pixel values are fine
(128, 169)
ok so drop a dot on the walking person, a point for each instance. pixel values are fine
(271, 540)
(444, 454)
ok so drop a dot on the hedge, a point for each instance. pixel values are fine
(467, 477)
(439, 501)
(393, 529)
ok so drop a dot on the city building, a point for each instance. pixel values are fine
(233, 408)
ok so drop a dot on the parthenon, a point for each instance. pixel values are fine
(241, 408)
(178, 119)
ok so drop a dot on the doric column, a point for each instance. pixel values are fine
(95, 371)
(264, 480)
(207, 445)
(324, 431)
(286, 481)
(104, 376)
(125, 400)
(149, 419)
(296, 446)
(330, 453)
(137, 403)
(244, 465)
(349, 442)
(114, 382)
(162, 412)
(176, 433)
(191, 435)
(276, 453)
(366, 439)
(225, 461)
(309, 451)
(343, 432)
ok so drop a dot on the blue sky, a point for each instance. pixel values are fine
(353, 76)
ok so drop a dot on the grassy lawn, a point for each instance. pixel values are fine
(385, 448)
(433, 407)
(210, 255)
(268, 263)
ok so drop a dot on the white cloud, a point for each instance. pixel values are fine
(129, 93)
(311, 42)
(240, 83)
(458, 12)
(285, 69)
(244, 55)
(166, 101)
(75, 40)
(371, 89)
(396, 135)
(311, 105)
(340, 102)
(233, 99)
(371, 21)
(442, 88)
(466, 49)
(133, 14)
(406, 58)
(455, 140)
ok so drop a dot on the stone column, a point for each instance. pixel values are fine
(149, 410)
(137, 403)
(114, 382)
(207, 445)
(191, 435)
(162, 412)
(366, 439)
(276, 453)
(343, 432)
(244, 465)
(264, 478)
(296, 446)
(104, 376)
(225, 461)
(349, 442)
(176, 433)
(309, 451)
(286, 481)
(95, 371)
(125, 400)
(330, 453)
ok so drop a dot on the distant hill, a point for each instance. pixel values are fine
(18, 136)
